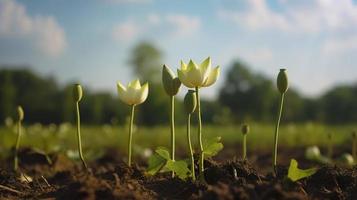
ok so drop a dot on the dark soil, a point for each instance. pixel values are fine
(110, 178)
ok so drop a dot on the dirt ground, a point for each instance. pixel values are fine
(227, 178)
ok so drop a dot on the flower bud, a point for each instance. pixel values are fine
(171, 83)
(77, 92)
(245, 129)
(190, 101)
(312, 153)
(282, 81)
(20, 113)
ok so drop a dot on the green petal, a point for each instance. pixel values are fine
(183, 78)
(135, 84)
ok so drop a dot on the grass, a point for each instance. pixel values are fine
(95, 138)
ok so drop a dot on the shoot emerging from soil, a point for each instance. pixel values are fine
(283, 85)
(20, 118)
(245, 131)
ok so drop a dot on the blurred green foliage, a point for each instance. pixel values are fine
(244, 96)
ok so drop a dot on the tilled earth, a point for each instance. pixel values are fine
(110, 178)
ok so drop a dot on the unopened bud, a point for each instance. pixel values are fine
(77, 92)
(245, 129)
(282, 81)
(171, 83)
(20, 113)
(190, 101)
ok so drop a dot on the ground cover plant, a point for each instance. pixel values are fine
(307, 169)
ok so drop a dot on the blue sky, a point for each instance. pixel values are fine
(90, 40)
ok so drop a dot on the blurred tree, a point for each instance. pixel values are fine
(248, 95)
(7, 94)
(146, 61)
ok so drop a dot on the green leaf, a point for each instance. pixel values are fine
(156, 162)
(212, 146)
(163, 152)
(179, 167)
(295, 174)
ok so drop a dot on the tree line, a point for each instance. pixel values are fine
(244, 96)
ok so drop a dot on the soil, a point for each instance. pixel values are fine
(110, 178)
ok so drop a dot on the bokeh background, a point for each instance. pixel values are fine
(46, 46)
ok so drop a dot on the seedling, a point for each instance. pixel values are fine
(172, 86)
(313, 153)
(20, 118)
(134, 94)
(198, 76)
(245, 131)
(354, 145)
(283, 85)
(190, 107)
(347, 160)
(295, 174)
(161, 161)
(77, 96)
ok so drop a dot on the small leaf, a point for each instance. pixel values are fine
(179, 167)
(212, 146)
(295, 174)
(163, 152)
(156, 162)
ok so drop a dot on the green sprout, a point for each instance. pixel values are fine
(133, 94)
(190, 107)
(20, 118)
(172, 86)
(295, 174)
(198, 76)
(245, 131)
(283, 85)
(77, 96)
(354, 145)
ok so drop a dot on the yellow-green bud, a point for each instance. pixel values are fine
(190, 101)
(282, 81)
(20, 113)
(245, 129)
(171, 83)
(77, 92)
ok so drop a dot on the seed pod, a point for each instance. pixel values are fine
(20, 113)
(190, 101)
(282, 81)
(245, 129)
(171, 83)
(77, 92)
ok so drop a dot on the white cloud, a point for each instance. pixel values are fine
(43, 31)
(183, 24)
(307, 16)
(339, 46)
(126, 31)
(173, 25)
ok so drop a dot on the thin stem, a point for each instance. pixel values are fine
(354, 148)
(17, 146)
(172, 120)
(244, 146)
(201, 163)
(130, 133)
(79, 136)
(275, 152)
(190, 147)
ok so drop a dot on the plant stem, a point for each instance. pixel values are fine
(172, 120)
(79, 136)
(275, 152)
(354, 149)
(190, 147)
(130, 133)
(201, 163)
(244, 146)
(16, 162)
